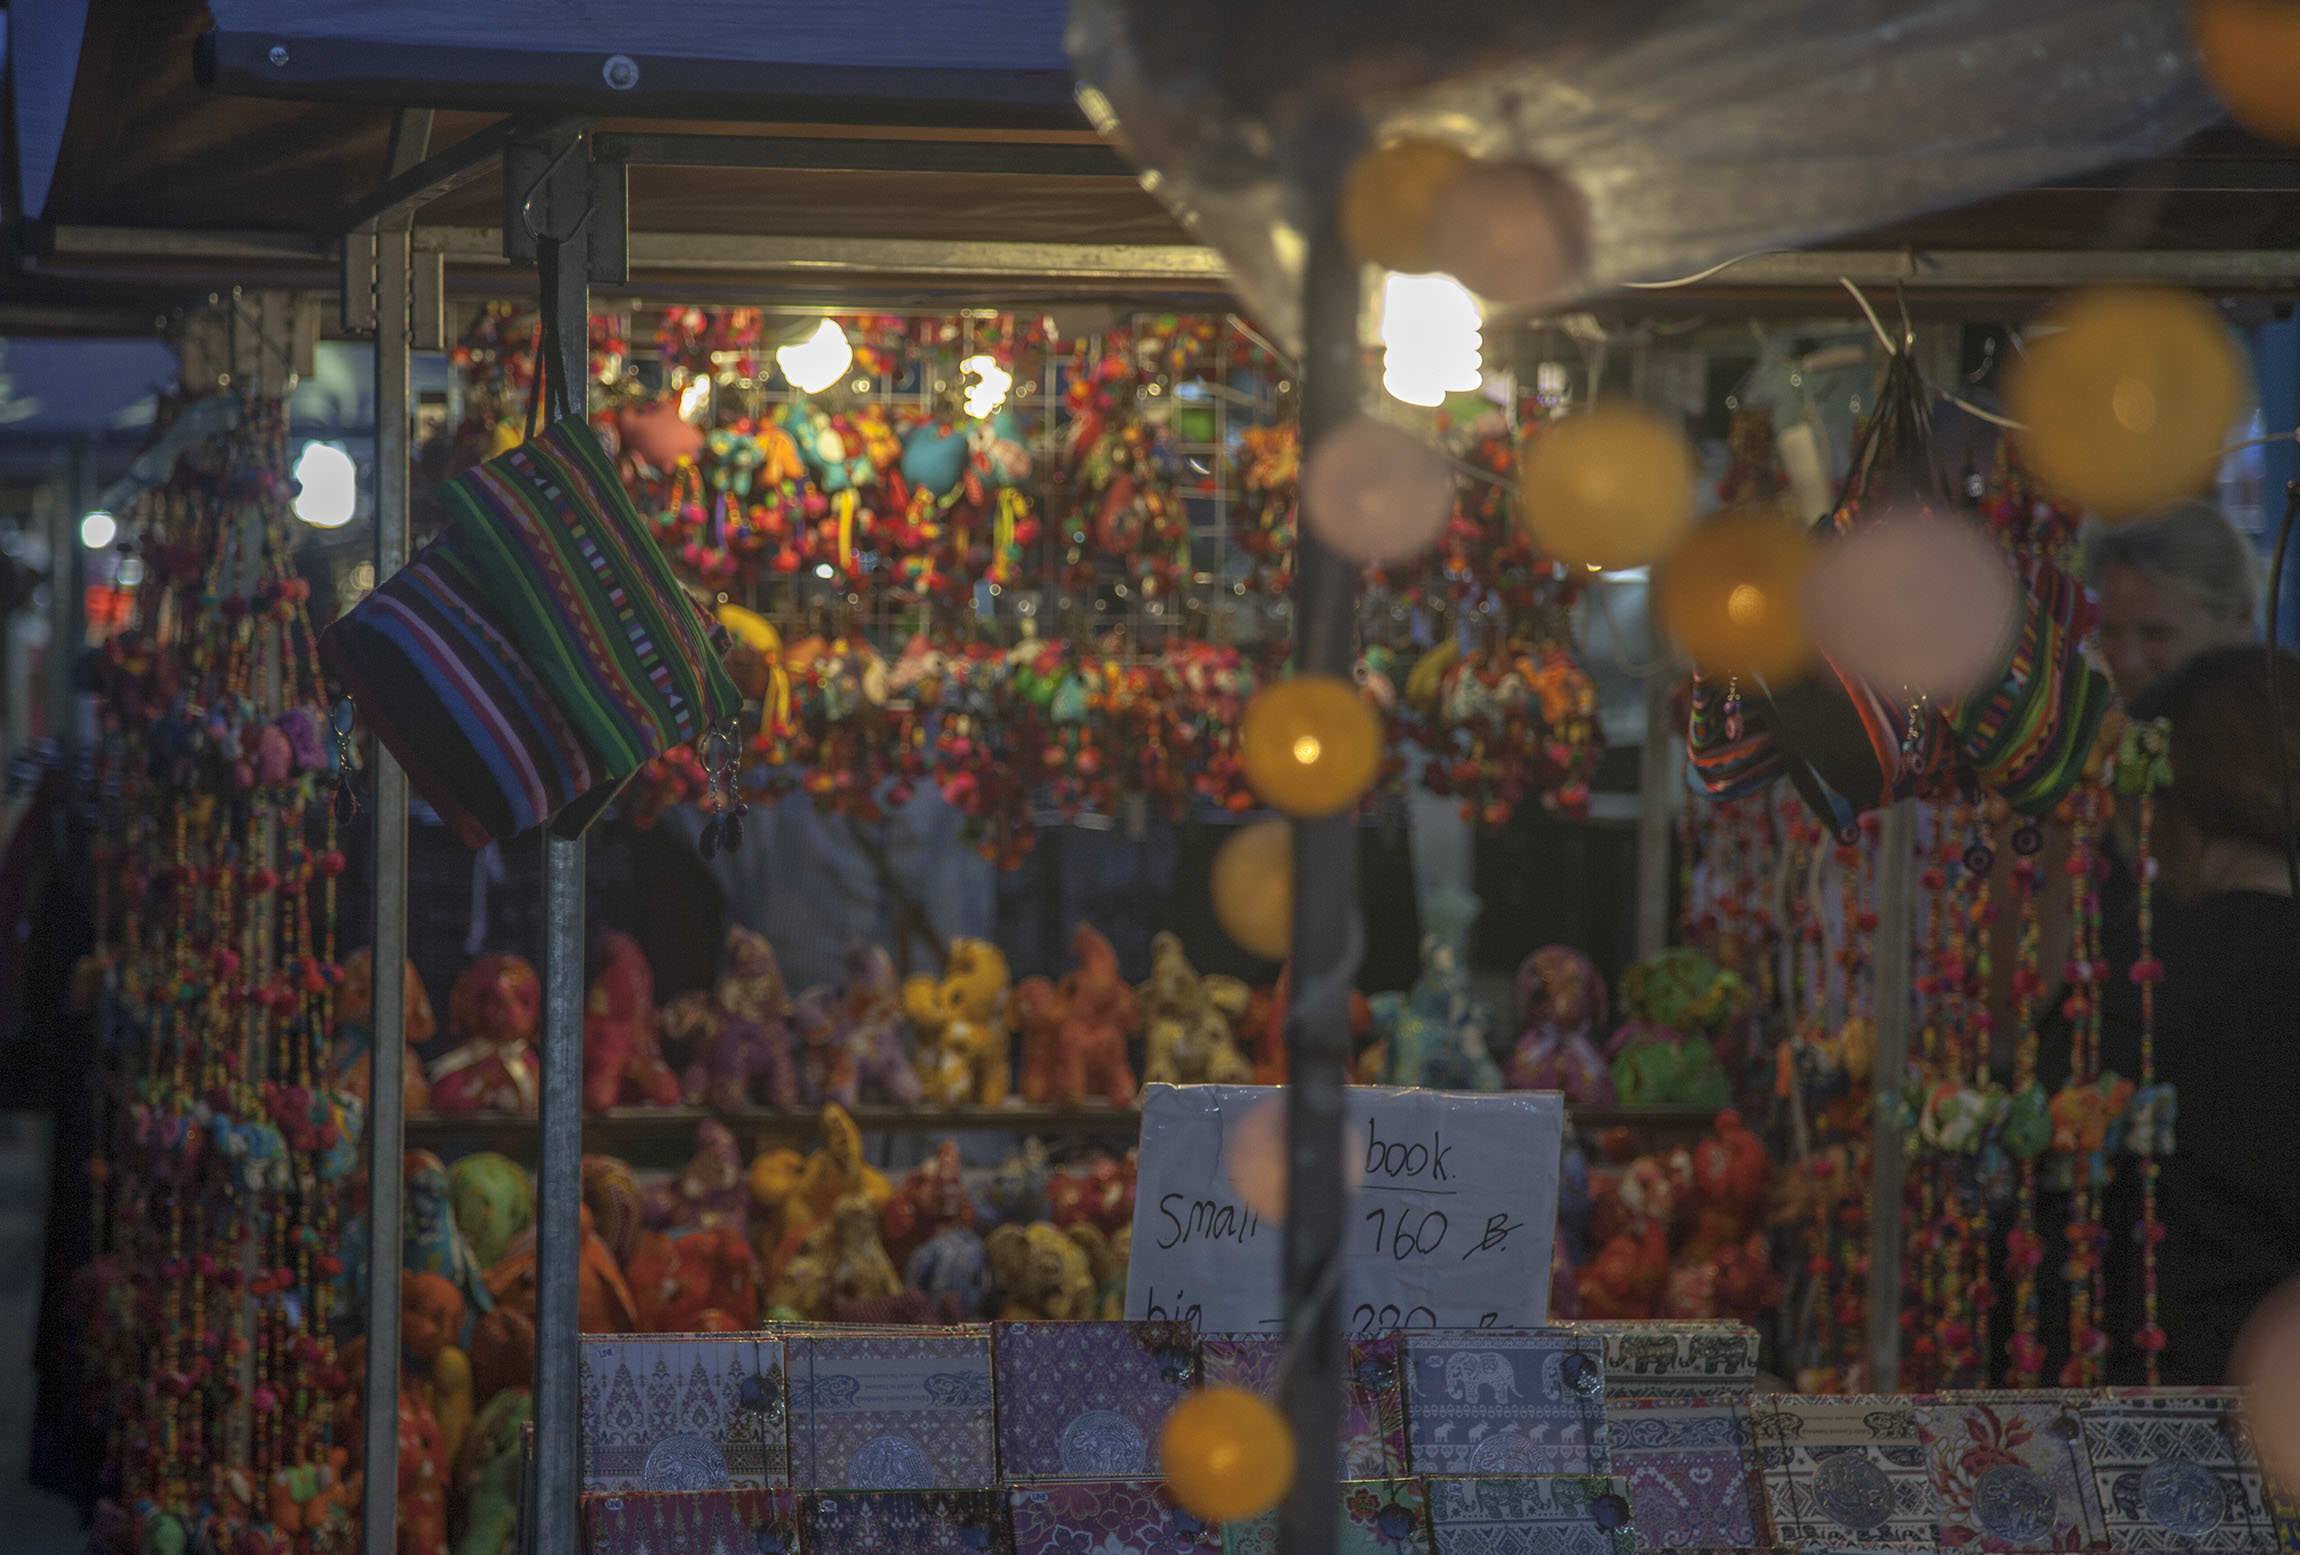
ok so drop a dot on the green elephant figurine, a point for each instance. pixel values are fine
(487, 1475)
(492, 1202)
(1670, 1072)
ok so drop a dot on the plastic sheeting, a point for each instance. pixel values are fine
(1696, 130)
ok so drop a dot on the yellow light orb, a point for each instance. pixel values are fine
(1310, 745)
(1253, 889)
(1612, 488)
(2250, 54)
(1387, 200)
(1226, 1454)
(2129, 403)
(1733, 595)
(1512, 232)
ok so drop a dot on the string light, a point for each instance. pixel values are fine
(1309, 746)
(1227, 1455)
(818, 361)
(1375, 493)
(1432, 340)
(1918, 601)
(1611, 489)
(329, 483)
(1733, 595)
(987, 387)
(98, 530)
(1388, 200)
(1253, 889)
(2249, 51)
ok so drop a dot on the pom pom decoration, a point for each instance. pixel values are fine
(1253, 889)
(1612, 488)
(2250, 54)
(2128, 404)
(1375, 493)
(1922, 603)
(1389, 198)
(1227, 1455)
(1733, 595)
(1310, 746)
(1512, 232)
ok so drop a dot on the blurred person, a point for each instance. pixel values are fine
(2229, 1198)
(2171, 587)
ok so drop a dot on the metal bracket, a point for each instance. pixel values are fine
(551, 185)
(357, 299)
(427, 297)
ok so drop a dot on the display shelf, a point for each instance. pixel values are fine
(623, 1128)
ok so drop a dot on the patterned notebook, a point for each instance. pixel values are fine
(1707, 1359)
(1378, 1517)
(739, 1522)
(905, 1522)
(1846, 1473)
(1528, 1401)
(681, 1412)
(893, 1411)
(1690, 1469)
(2175, 1472)
(2011, 1472)
(1109, 1517)
(1374, 1410)
(1576, 1514)
(1086, 1400)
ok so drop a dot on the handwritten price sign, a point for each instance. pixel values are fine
(1453, 1205)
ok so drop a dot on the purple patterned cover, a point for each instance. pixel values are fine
(904, 1522)
(1689, 1467)
(1379, 1517)
(1522, 1401)
(1846, 1473)
(681, 1412)
(2011, 1472)
(1107, 1517)
(1562, 1514)
(1373, 1409)
(894, 1410)
(740, 1522)
(2174, 1471)
(1085, 1401)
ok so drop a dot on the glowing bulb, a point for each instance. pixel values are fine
(330, 483)
(1431, 339)
(1227, 1455)
(1612, 487)
(1309, 745)
(1307, 749)
(818, 361)
(98, 530)
(695, 398)
(987, 387)
(1733, 594)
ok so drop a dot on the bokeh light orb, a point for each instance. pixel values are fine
(1253, 888)
(1733, 595)
(2128, 404)
(1917, 603)
(1375, 493)
(1608, 489)
(2249, 51)
(1512, 232)
(1310, 745)
(1227, 1454)
(1258, 1162)
(1387, 200)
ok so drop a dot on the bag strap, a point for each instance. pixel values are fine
(550, 345)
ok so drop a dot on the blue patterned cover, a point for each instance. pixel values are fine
(1085, 1401)
(1112, 1517)
(2174, 1471)
(1379, 1517)
(904, 1522)
(681, 1412)
(893, 1410)
(1579, 1514)
(1523, 1401)
(660, 1522)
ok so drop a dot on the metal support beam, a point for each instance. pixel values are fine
(414, 183)
(1328, 938)
(1022, 159)
(555, 197)
(389, 308)
(1894, 972)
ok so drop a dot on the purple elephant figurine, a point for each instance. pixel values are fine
(738, 1033)
(1561, 999)
(876, 1036)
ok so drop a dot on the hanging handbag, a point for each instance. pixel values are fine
(524, 664)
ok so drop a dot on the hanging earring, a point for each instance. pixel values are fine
(712, 803)
(740, 807)
(1733, 707)
(339, 721)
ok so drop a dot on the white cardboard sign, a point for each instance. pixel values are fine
(1453, 1206)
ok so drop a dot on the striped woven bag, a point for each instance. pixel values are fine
(539, 652)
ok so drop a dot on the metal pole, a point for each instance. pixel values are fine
(561, 209)
(1328, 940)
(1895, 994)
(387, 820)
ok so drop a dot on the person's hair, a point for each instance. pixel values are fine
(2225, 778)
(2191, 543)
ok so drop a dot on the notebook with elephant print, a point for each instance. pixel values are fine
(2011, 1472)
(904, 1522)
(2175, 1471)
(1526, 1401)
(1378, 1517)
(1110, 1517)
(682, 1412)
(1676, 1359)
(1689, 1468)
(1846, 1473)
(1373, 1410)
(1568, 1514)
(741, 1522)
(1085, 1401)
(894, 1410)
